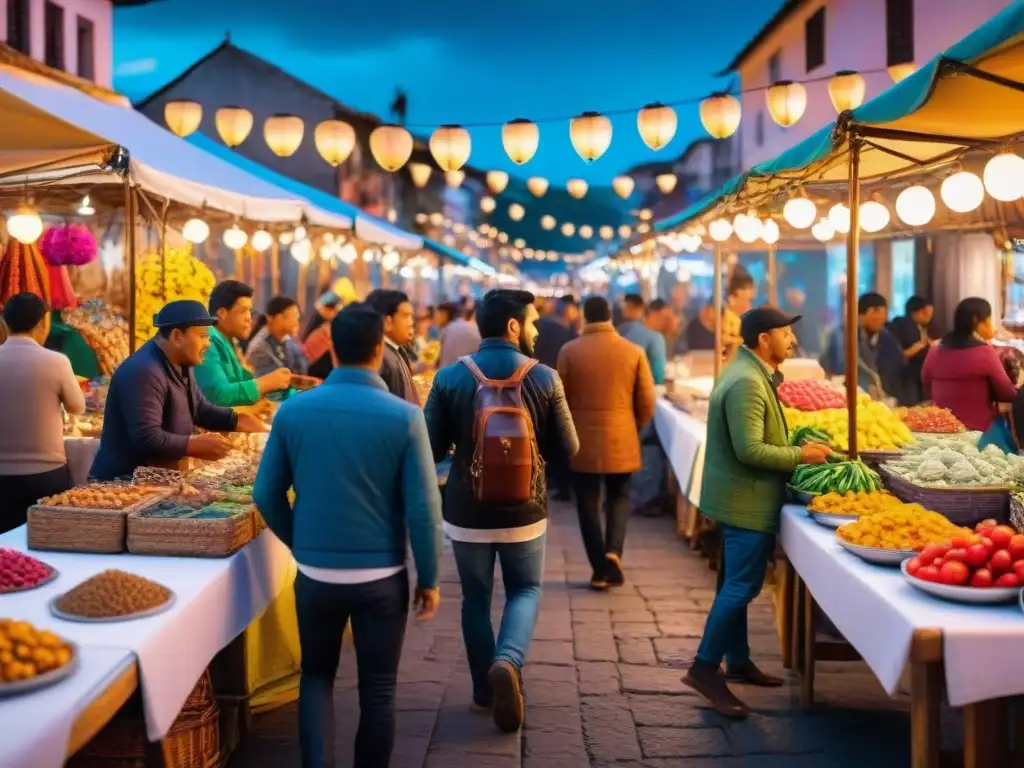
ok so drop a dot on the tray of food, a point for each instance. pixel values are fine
(189, 527)
(112, 595)
(958, 592)
(890, 536)
(877, 555)
(32, 658)
(835, 509)
(20, 572)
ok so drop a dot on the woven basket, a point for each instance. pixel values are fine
(1017, 513)
(188, 537)
(192, 742)
(963, 506)
(74, 529)
(875, 458)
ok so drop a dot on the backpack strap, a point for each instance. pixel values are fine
(520, 374)
(514, 380)
(469, 362)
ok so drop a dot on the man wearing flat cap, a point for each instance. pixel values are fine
(747, 464)
(154, 405)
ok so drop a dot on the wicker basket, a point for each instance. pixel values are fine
(192, 742)
(74, 529)
(188, 537)
(963, 506)
(874, 459)
(1017, 513)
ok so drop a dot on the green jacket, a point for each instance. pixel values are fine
(747, 458)
(221, 377)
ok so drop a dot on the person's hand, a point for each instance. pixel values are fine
(814, 453)
(919, 346)
(208, 447)
(275, 381)
(426, 602)
(248, 422)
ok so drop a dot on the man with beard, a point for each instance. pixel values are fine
(747, 464)
(482, 531)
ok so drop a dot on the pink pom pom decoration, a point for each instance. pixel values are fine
(68, 245)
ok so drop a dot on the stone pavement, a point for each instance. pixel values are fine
(603, 683)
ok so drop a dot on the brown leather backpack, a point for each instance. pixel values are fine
(505, 456)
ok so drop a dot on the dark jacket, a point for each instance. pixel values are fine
(359, 461)
(554, 334)
(880, 364)
(152, 409)
(908, 333)
(450, 419)
(397, 374)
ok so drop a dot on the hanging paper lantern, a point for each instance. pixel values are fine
(769, 232)
(516, 212)
(568, 229)
(915, 206)
(823, 231)
(577, 188)
(420, 174)
(839, 215)
(437, 219)
(873, 216)
(847, 90)
(786, 102)
(497, 181)
(666, 182)
(520, 138)
(537, 185)
(606, 232)
(235, 238)
(502, 237)
(586, 231)
(183, 117)
(335, 140)
(283, 134)
(657, 125)
(643, 228)
(720, 115)
(261, 240)
(1004, 177)
(625, 231)
(962, 192)
(720, 230)
(799, 212)
(747, 226)
(901, 71)
(450, 145)
(519, 242)
(591, 135)
(24, 225)
(454, 179)
(548, 222)
(233, 124)
(623, 186)
(302, 251)
(68, 245)
(391, 146)
(195, 231)
(487, 204)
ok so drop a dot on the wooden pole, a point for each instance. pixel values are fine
(275, 268)
(239, 265)
(773, 277)
(718, 311)
(852, 260)
(129, 240)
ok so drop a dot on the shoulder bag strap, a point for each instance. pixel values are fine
(520, 374)
(474, 369)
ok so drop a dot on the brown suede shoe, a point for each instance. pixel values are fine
(616, 577)
(509, 707)
(712, 687)
(751, 675)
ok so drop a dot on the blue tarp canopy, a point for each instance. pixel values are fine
(458, 257)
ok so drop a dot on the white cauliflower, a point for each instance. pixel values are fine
(931, 470)
(963, 473)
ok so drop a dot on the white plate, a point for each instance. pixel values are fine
(54, 573)
(108, 619)
(830, 520)
(877, 555)
(975, 595)
(43, 680)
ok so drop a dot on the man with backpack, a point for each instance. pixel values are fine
(506, 415)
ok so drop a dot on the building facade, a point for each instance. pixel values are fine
(810, 40)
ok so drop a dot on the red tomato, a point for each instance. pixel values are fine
(1008, 580)
(985, 526)
(1017, 547)
(1001, 536)
(955, 573)
(1000, 561)
(959, 542)
(1018, 568)
(929, 553)
(913, 564)
(928, 573)
(938, 562)
(956, 555)
(982, 578)
(977, 555)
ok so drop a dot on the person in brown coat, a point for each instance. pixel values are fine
(610, 390)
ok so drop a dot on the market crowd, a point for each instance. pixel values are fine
(528, 396)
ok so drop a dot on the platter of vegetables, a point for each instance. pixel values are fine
(896, 533)
(835, 476)
(930, 419)
(810, 395)
(835, 509)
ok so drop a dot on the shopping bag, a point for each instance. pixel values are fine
(999, 435)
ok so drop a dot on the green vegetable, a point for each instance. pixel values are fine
(840, 477)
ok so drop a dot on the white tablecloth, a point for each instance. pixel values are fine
(80, 452)
(216, 600)
(682, 438)
(877, 611)
(35, 728)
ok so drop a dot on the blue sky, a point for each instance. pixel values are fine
(469, 62)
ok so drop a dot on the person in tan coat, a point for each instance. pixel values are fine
(610, 390)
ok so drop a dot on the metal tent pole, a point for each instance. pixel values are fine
(718, 311)
(773, 277)
(129, 240)
(852, 280)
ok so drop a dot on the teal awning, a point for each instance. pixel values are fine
(458, 257)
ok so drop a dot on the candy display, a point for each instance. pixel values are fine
(112, 593)
(104, 332)
(907, 527)
(930, 418)
(811, 395)
(27, 652)
(993, 556)
(180, 276)
(854, 504)
(839, 477)
(878, 428)
(101, 496)
(938, 462)
(19, 571)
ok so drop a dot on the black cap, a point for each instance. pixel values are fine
(763, 319)
(184, 313)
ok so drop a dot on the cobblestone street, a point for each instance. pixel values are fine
(603, 682)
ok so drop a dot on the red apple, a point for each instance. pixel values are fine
(982, 578)
(1000, 561)
(1001, 536)
(956, 573)
(977, 555)
(1007, 580)
(1017, 547)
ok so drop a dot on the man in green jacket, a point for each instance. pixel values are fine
(747, 463)
(221, 377)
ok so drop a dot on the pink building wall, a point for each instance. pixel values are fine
(99, 12)
(854, 39)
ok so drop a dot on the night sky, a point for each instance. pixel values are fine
(468, 62)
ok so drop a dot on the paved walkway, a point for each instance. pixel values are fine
(603, 683)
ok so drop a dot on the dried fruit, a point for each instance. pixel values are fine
(20, 571)
(113, 593)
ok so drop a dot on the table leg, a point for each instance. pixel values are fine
(796, 654)
(807, 663)
(926, 684)
(784, 609)
(985, 734)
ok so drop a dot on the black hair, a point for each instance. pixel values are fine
(968, 314)
(738, 282)
(450, 308)
(356, 332)
(566, 301)
(386, 301)
(467, 308)
(634, 300)
(23, 312)
(656, 306)
(498, 307)
(596, 309)
(869, 301)
(280, 304)
(916, 304)
(166, 331)
(226, 294)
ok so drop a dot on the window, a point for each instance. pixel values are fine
(17, 25)
(759, 129)
(814, 40)
(899, 31)
(903, 277)
(775, 67)
(86, 59)
(53, 19)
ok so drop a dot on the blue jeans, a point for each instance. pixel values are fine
(522, 571)
(745, 556)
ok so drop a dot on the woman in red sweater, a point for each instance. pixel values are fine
(964, 372)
